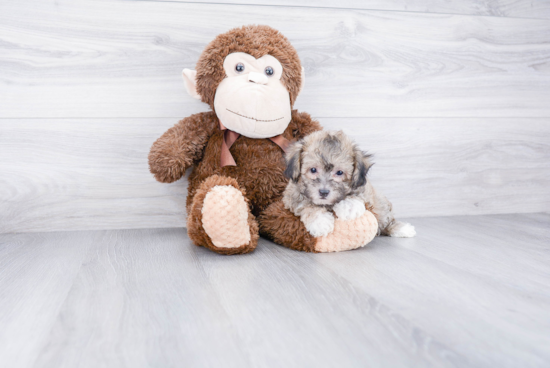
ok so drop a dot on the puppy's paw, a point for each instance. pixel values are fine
(349, 209)
(405, 230)
(321, 225)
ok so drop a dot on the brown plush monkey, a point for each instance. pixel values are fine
(250, 77)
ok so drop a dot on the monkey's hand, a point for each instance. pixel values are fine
(319, 223)
(176, 150)
(349, 209)
(166, 164)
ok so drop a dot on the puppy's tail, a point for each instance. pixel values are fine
(398, 229)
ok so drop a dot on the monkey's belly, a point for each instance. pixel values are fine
(260, 170)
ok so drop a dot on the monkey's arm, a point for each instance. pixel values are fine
(303, 124)
(175, 151)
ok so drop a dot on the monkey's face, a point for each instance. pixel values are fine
(252, 100)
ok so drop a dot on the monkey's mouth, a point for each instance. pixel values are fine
(248, 117)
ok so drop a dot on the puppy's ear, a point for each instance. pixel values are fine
(293, 161)
(362, 166)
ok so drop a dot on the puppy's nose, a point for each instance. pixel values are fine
(324, 193)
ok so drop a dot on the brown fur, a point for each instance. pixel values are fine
(283, 227)
(259, 174)
(260, 163)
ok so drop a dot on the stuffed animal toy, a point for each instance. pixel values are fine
(250, 77)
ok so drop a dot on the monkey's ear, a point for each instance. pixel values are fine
(362, 167)
(303, 80)
(293, 164)
(190, 82)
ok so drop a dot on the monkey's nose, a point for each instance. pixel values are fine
(324, 193)
(257, 78)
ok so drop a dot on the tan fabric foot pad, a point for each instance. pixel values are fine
(224, 217)
(349, 235)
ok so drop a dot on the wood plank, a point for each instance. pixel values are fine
(467, 292)
(78, 174)
(472, 283)
(296, 313)
(36, 274)
(496, 8)
(147, 296)
(142, 299)
(429, 167)
(83, 59)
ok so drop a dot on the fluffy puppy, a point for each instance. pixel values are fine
(328, 176)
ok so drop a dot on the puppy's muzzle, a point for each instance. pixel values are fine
(323, 193)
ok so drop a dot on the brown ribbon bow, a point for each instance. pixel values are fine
(229, 137)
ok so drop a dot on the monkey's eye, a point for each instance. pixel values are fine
(339, 172)
(313, 170)
(269, 71)
(239, 67)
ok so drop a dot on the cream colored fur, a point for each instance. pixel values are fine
(250, 102)
(346, 235)
(341, 167)
(349, 208)
(224, 217)
(318, 221)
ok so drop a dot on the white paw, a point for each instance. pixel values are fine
(322, 225)
(405, 231)
(349, 209)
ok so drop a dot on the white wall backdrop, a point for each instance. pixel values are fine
(453, 98)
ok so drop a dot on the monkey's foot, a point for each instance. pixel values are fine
(283, 227)
(349, 234)
(224, 217)
(219, 218)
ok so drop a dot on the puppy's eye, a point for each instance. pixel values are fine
(239, 67)
(339, 172)
(313, 170)
(269, 71)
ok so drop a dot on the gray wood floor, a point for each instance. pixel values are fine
(467, 292)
